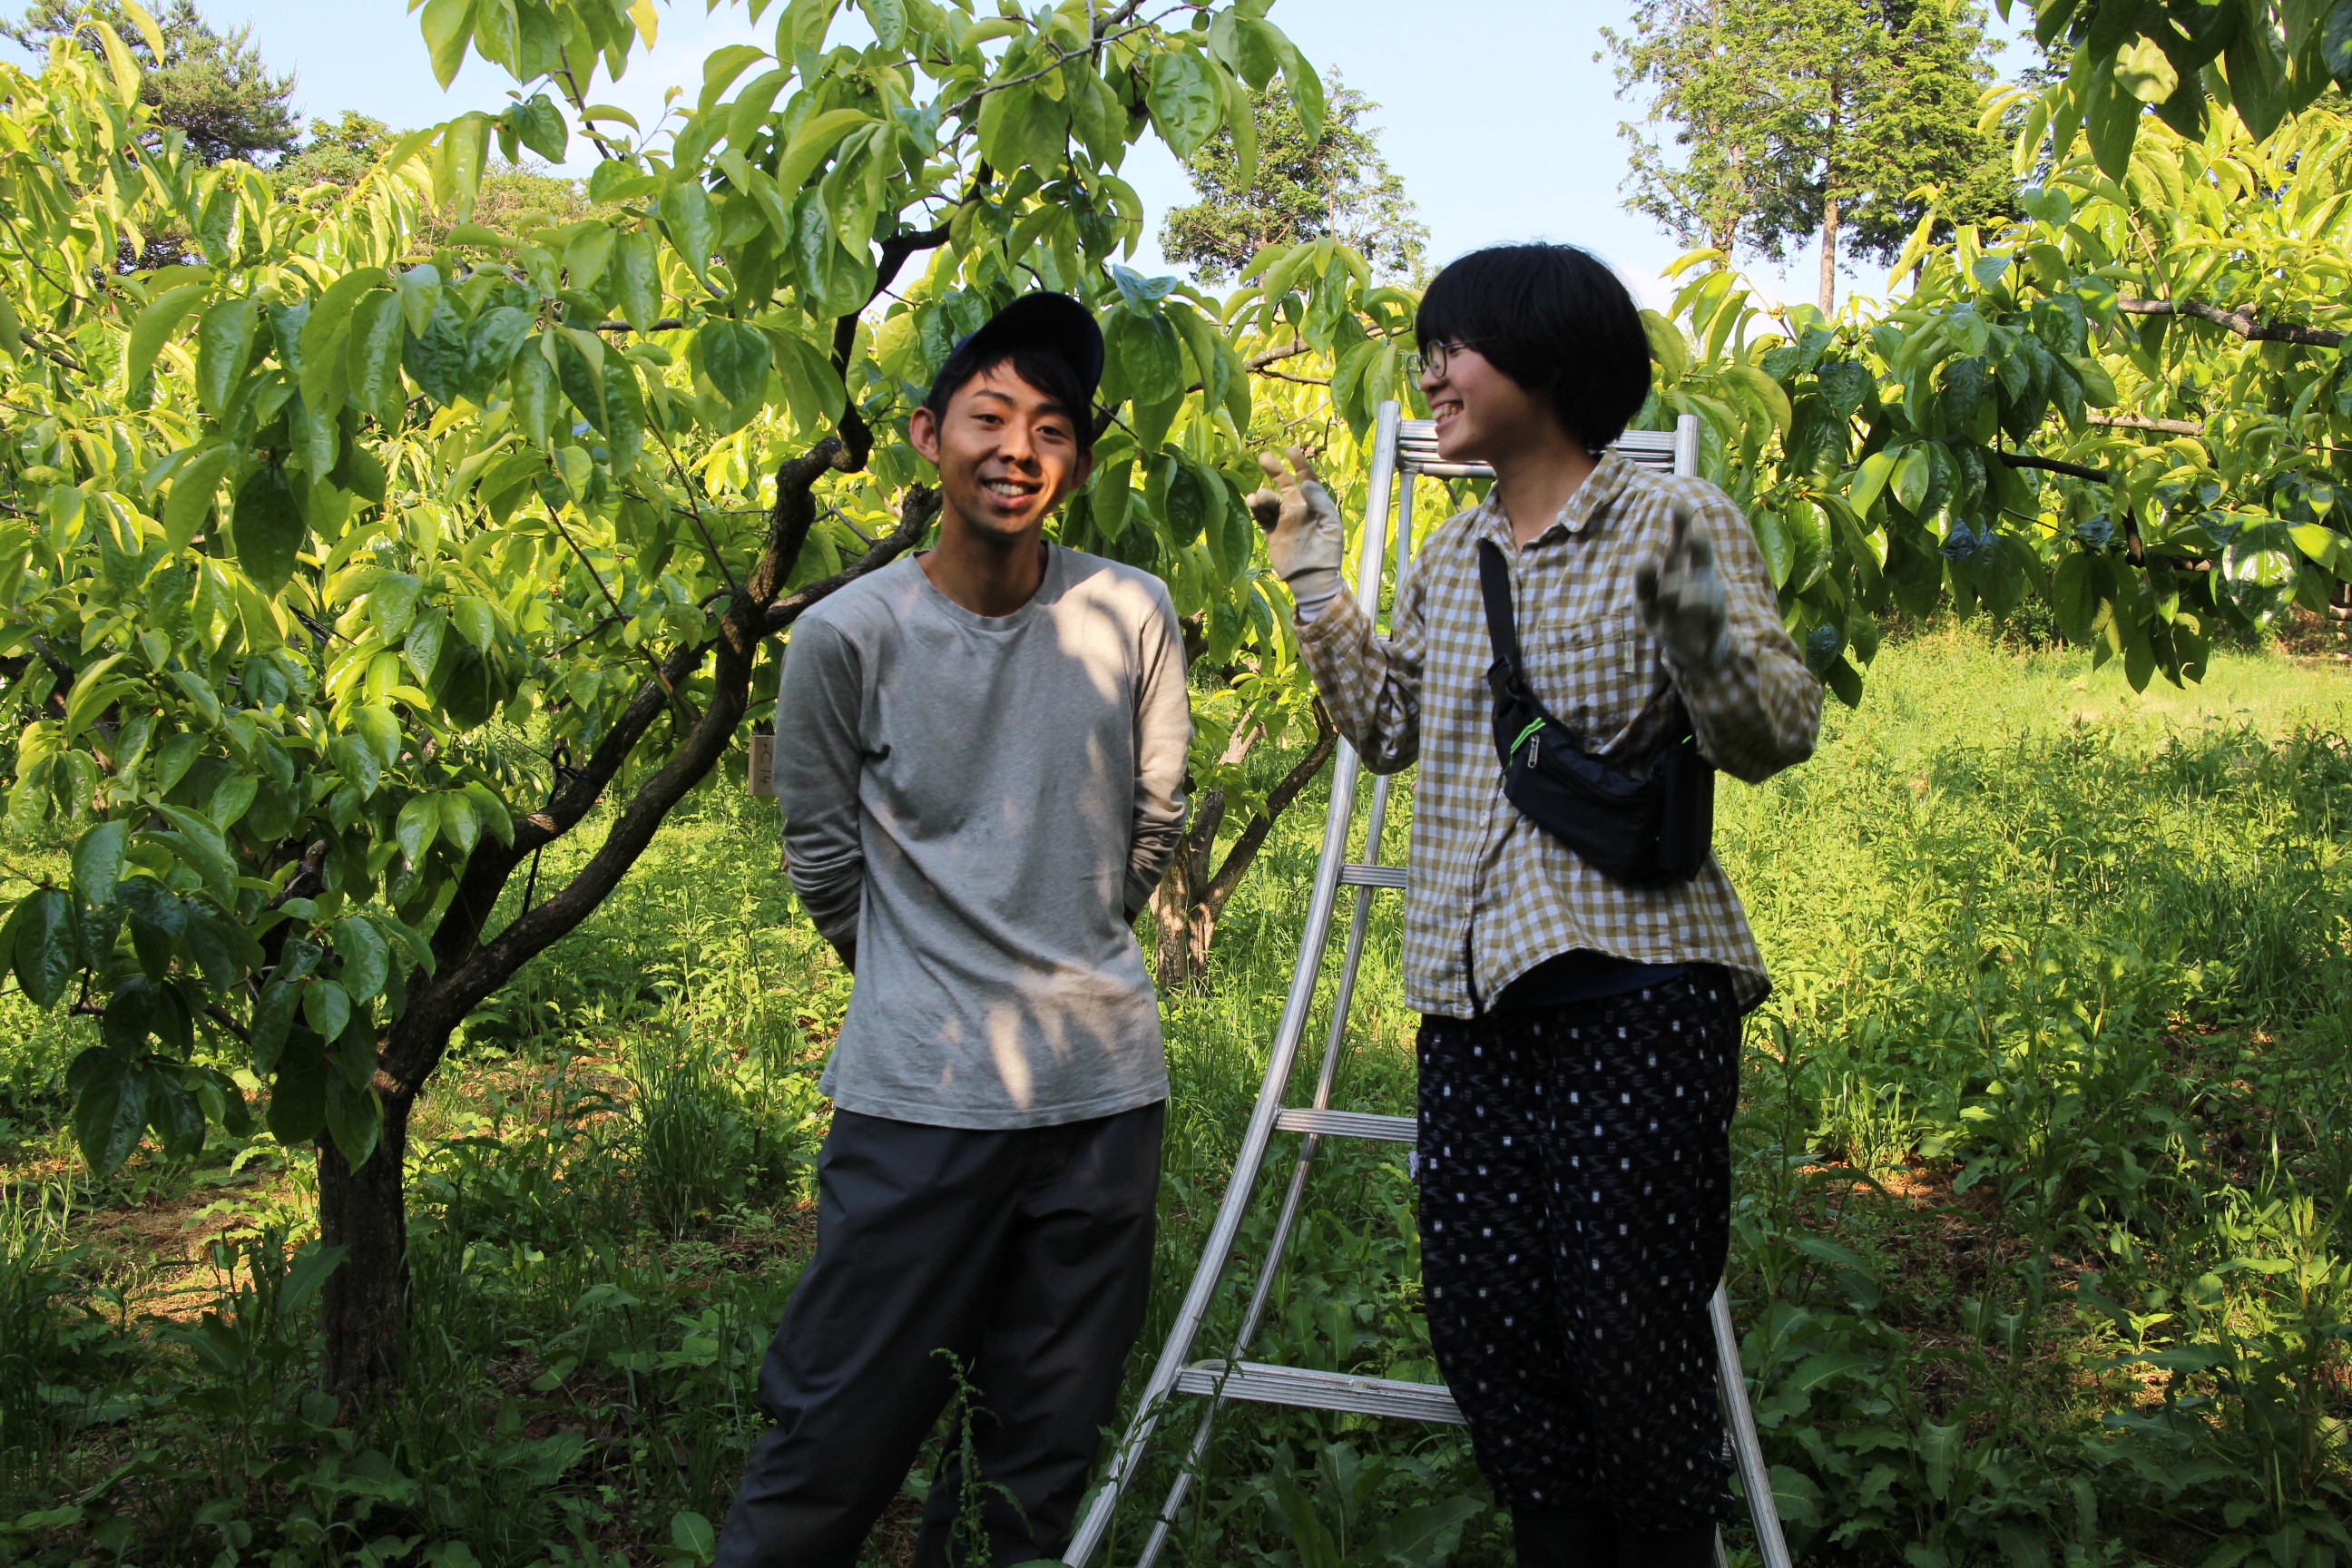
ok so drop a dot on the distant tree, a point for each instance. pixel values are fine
(211, 85)
(338, 153)
(1303, 188)
(1793, 118)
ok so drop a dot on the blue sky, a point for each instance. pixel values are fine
(1495, 112)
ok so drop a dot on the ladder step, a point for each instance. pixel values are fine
(1266, 1384)
(1356, 875)
(1346, 1124)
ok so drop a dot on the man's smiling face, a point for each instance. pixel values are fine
(1007, 453)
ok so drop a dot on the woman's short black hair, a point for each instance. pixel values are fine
(1554, 318)
(1040, 367)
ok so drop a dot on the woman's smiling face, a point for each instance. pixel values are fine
(1480, 411)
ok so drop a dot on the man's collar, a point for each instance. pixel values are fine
(1598, 489)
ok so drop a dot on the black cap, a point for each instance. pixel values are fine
(1055, 323)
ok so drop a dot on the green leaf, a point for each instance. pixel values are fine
(690, 1531)
(2335, 43)
(419, 824)
(421, 650)
(153, 328)
(1306, 94)
(636, 280)
(448, 26)
(158, 916)
(111, 1112)
(1150, 359)
(1914, 472)
(268, 528)
(491, 813)
(1183, 101)
(97, 862)
(224, 345)
(1772, 537)
(2113, 123)
(46, 940)
(326, 1007)
(224, 950)
(539, 124)
(2325, 546)
(888, 18)
(1869, 479)
(297, 1093)
(459, 825)
(372, 363)
(2074, 597)
(354, 1119)
(686, 212)
(367, 957)
(376, 726)
(465, 148)
(1188, 502)
(324, 326)
(437, 358)
(195, 485)
(812, 143)
(735, 358)
(392, 604)
(475, 620)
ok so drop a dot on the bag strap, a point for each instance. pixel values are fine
(1495, 587)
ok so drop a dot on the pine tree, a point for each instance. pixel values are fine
(1339, 185)
(212, 85)
(1793, 119)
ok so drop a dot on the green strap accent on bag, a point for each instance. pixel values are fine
(1522, 739)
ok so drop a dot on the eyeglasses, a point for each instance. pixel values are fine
(1432, 360)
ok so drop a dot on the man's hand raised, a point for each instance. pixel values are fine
(1681, 599)
(1304, 538)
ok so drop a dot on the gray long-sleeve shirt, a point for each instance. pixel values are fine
(982, 803)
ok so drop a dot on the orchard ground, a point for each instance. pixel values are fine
(2043, 1146)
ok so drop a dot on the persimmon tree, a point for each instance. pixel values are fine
(2130, 405)
(345, 568)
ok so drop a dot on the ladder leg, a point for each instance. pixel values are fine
(1333, 1046)
(1746, 1449)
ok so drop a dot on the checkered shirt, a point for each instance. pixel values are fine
(1492, 895)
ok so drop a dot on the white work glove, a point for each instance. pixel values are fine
(1305, 539)
(1682, 598)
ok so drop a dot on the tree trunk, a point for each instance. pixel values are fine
(1189, 900)
(1829, 254)
(1178, 910)
(1830, 191)
(364, 1211)
(364, 1300)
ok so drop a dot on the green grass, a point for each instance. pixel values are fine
(2043, 1145)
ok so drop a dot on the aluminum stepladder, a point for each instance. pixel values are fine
(1401, 449)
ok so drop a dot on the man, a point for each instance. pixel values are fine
(980, 758)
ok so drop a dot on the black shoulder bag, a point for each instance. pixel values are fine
(1633, 830)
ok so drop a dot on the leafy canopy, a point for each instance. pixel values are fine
(213, 87)
(1265, 182)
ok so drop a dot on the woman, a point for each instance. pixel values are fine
(1579, 1042)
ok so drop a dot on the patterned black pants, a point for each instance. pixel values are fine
(1575, 1208)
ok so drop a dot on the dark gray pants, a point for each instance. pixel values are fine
(1027, 1253)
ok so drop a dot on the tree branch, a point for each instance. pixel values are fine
(2142, 422)
(915, 514)
(2240, 321)
(1277, 801)
(2052, 464)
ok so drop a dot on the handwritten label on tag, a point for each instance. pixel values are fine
(764, 764)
